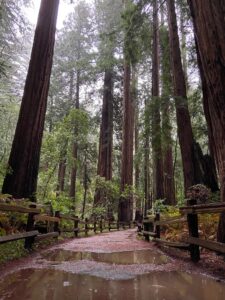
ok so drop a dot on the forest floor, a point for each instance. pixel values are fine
(118, 255)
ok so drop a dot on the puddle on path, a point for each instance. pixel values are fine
(44, 284)
(122, 258)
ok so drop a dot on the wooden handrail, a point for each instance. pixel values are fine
(18, 236)
(17, 208)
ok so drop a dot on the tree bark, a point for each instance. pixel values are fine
(61, 175)
(134, 95)
(73, 175)
(125, 204)
(209, 23)
(185, 134)
(85, 183)
(156, 118)
(21, 181)
(166, 78)
(147, 198)
(106, 136)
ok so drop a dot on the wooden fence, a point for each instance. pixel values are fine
(151, 227)
(53, 227)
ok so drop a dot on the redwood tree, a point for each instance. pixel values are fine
(185, 134)
(166, 78)
(106, 135)
(156, 119)
(209, 23)
(21, 179)
(73, 174)
(125, 204)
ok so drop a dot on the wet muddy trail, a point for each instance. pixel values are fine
(113, 265)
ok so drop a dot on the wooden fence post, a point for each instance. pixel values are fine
(76, 226)
(192, 220)
(56, 224)
(95, 227)
(109, 224)
(146, 228)
(157, 228)
(30, 226)
(118, 225)
(100, 225)
(86, 226)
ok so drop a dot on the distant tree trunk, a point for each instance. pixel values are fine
(147, 198)
(73, 175)
(183, 44)
(106, 136)
(166, 78)
(134, 96)
(125, 204)
(85, 183)
(136, 137)
(156, 119)
(21, 180)
(190, 165)
(209, 23)
(61, 175)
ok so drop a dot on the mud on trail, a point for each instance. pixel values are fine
(114, 265)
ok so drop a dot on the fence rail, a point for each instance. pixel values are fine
(151, 227)
(53, 224)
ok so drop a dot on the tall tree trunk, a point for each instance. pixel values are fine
(134, 95)
(21, 180)
(183, 43)
(156, 119)
(106, 136)
(209, 23)
(147, 198)
(73, 175)
(209, 161)
(166, 78)
(85, 183)
(136, 134)
(185, 134)
(125, 203)
(61, 175)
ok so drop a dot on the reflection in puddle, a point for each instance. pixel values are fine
(122, 258)
(30, 284)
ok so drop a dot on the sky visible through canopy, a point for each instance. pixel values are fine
(64, 9)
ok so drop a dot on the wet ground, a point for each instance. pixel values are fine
(51, 284)
(111, 266)
(119, 258)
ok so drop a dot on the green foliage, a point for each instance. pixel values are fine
(198, 118)
(137, 32)
(110, 191)
(12, 250)
(57, 145)
(165, 210)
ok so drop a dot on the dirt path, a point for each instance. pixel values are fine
(115, 242)
(112, 266)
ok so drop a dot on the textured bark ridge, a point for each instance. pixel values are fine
(106, 135)
(73, 174)
(156, 127)
(191, 167)
(126, 204)
(209, 23)
(21, 181)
